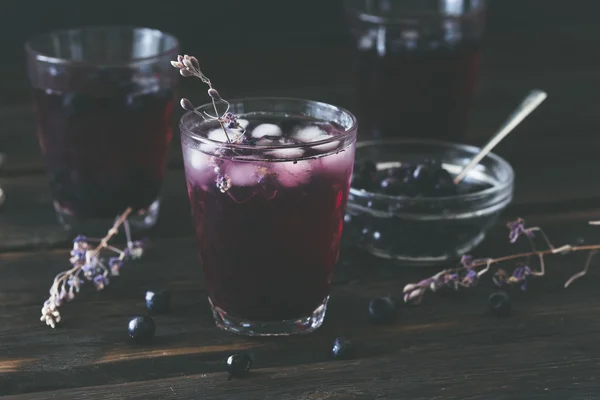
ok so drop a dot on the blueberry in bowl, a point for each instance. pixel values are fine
(404, 204)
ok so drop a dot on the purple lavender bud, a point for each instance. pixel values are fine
(88, 270)
(115, 264)
(185, 73)
(466, 260)
(78, 256)
(214, 94)
(74, 283)
(180, 59)
(187, 62)
(115, 261)
(517, 228)
(519, 274)
(529, 234)
(186, 104)
(437, 284)
(100, 281)
(524, 286)
(195, 62)
(80, 239)
(137, 248)
(470, 278)
(177, 64)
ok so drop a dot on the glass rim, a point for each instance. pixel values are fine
(345, 135)
(410, 19)
(501, 162)
(39, 56)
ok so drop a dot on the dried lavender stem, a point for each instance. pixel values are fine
(61, 278)
(111, 232)
(584, 271)
(415, 291)
(86, 265)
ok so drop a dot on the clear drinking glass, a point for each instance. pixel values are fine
(269, 213)
(103, 99)
(417, 63)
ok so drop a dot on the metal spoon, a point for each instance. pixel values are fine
(529, 103)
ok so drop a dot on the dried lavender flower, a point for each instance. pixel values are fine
(471, 270)
(87, 264)
(186, 104)
(190, 67)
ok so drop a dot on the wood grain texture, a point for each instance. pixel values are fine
(447, 347)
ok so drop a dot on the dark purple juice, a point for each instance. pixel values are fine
(268, 245)
(423, 91)
(104, 151)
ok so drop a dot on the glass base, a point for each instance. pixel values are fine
(288, 327)
(139, 221)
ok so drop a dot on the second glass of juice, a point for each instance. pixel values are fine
(269, 211)
(417, 64)
(103, 99)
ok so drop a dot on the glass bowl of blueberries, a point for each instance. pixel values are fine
(404, 204)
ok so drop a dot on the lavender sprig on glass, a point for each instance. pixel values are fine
(190, 67)
(91, 263)
(469, 271)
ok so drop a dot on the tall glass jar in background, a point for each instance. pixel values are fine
(103, 99)
(417, 64)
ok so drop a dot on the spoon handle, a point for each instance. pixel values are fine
(530, 103)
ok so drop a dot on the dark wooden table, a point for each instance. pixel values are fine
(446, 348)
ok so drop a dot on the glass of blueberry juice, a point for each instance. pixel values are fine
(416, 64)
(103, 100)
(268, 209)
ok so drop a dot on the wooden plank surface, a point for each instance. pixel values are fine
(446, 348)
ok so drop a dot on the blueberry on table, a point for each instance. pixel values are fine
(499, 303)
(158, 301)
(238, 365)
(343, 349)
(141, 329)
(381, 310)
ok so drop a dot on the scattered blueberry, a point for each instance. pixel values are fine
(381, 310)
(499, 303)
(141, 329)
(158, 301)
(343, 349)
(238, 365)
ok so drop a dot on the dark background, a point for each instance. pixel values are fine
(206, 26)
(303, 49)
